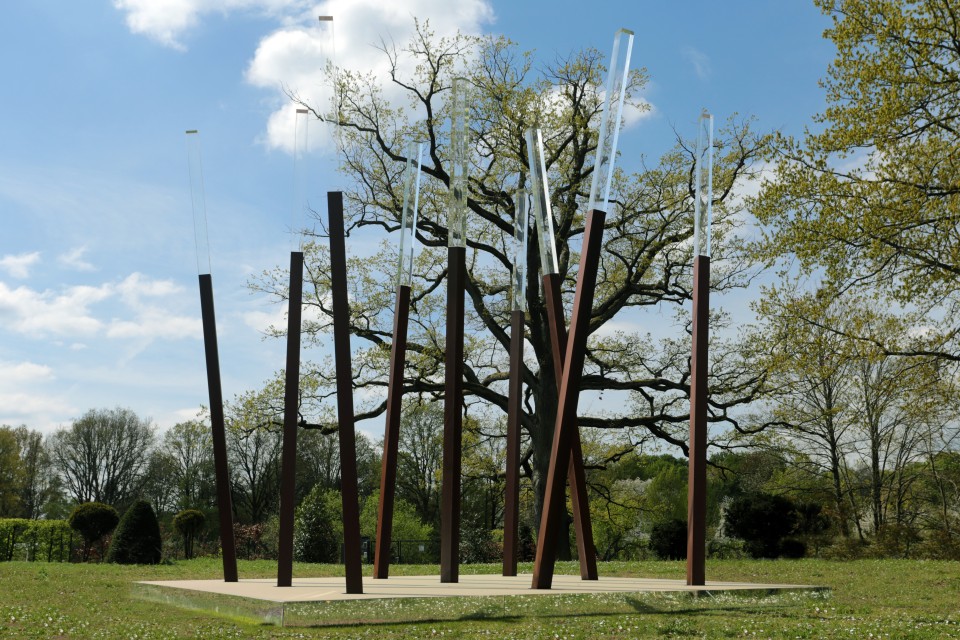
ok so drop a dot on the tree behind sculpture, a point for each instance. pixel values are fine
(645, 260)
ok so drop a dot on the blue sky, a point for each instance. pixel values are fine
(98, 294)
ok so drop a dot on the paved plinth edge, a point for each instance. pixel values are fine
(325, 601)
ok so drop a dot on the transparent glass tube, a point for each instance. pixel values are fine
(198, 202)
(610, 119)
(521, 209)
(300, 200)
(411, 205)
(328, 50)
(457, 218)
(703, 200)
(542, 211)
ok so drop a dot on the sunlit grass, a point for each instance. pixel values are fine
(870, 598)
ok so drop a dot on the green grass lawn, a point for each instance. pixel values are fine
(870, 599)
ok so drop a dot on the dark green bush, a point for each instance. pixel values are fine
(93, 520)
(189, 523)
(137, 540)
(793, 548)
(314, 532)
(762, 521)
(668, 540)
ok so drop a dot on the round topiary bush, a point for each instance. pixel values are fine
(137, 540)
(189, 523)
(668, 540)
(93, 521)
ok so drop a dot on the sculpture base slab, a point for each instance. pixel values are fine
(324, 601)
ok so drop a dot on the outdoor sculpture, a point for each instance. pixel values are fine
(566, 459)
(221, 472)
(697, 483)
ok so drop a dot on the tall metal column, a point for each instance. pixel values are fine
(346, 432)
(291, 415)
(697, 482)
(221, 472)
(586, 550)
(569, 397)
(452, 419)
(391, 436)
(511, 509)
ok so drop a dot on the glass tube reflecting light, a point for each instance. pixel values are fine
(300, 202)
(457, 220)
(328, 51)
(610, 120)
(408, 221)
(542, 211)
(703, 200)
(521, 208)
(198, 202)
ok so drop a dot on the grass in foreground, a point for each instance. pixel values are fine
(870, 599)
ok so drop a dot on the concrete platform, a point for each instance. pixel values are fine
(317, 601)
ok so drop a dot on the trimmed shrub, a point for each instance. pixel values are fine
(668, 540)
(93, 520)
(137, 540)
(189, 523)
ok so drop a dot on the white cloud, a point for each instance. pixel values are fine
(699, 60)
(18, 266)
(74, 259)
(295, 55)
(39, 313)
(20, 372)
(637, 110)
(166, 21)
(144, 311)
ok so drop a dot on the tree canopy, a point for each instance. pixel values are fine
(646, 249)
(871, 193)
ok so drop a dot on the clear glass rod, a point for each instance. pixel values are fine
(301, 203)
(521, 209)
(542, 211)
(198, 202)
(411, 204)
(618, 73)
(459, 131)
(703, 200)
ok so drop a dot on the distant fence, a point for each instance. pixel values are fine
(37, 540)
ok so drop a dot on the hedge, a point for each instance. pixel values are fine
(36, 540)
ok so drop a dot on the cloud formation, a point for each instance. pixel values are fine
(167, 21)
(73, 259)
(75, 312)
(699, 60)
(294, 57)
(295, 54)
(18, 266)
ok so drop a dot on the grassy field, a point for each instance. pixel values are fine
(870, 599)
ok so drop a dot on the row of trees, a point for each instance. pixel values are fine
(910, 497)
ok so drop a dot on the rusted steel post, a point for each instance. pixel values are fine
(391, 435)
(569, 397)
(511, 509)
(697, 477)
(221, 471)
(341, 353)
(291, 414)
(586, 550)
(452, 419)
